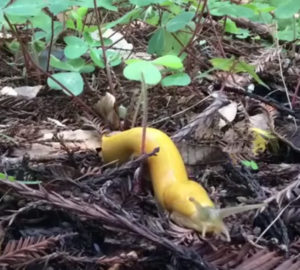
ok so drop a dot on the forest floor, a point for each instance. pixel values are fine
(61, 207)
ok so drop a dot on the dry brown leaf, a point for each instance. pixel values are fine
(232, 80)
(47, 147)
(228, 112)
(195, 154)
(106, 108)
(260, 121)
(204, 120)
(28, 92)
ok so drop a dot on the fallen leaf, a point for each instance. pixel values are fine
(228, 112)
(260, 121)
(28, 92)
(105, 107)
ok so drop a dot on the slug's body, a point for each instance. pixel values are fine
(186, 200)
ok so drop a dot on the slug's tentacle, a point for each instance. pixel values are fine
(186, 200)
(229, 211)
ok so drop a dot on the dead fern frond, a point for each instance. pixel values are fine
(95, 123)
(15, 103)
(288, 193)
(26, 249)
(265, 57)
(107, 217)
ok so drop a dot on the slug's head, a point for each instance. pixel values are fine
(204, 219)
(191, 207)
(210, 219)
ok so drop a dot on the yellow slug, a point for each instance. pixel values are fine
(187, 202)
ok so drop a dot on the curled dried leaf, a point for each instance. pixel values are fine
(228, 112)
(106, 108)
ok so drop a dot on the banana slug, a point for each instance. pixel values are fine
(186, 200)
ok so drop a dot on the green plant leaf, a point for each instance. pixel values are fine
(170, 61)
(79, 65)
(239, 11)
(260, 7)
(126, 18)
(135, 70)
(113, 57)
(216, 8)
(156, 43)
(74, 65)
(230, 27)
(143, 3)
(1, 19)
(3, 3)
(96, 57)
(107, 4)
(242, 66)
(180, 21)
(287, 34)
(58, 6)
(251, 164)
(13, 46)
(71, 80)
(236, 66)
(12, 178)
(243, 33)
(287, 9)
(76, 19)
(58, 28)
(228, 9)
(56, 63)
(223, 63)
(162, 42)
(3, 176)
(81, 12)
(42, 21)
(75, 47)
(178, 79)
(25, 8)
(91, 41)
(152, 18)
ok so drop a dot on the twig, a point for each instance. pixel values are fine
(205, 118)
(119, 170)
(296, 92)
(179, 113)
(145, 111)
(51, 41)
(107, 66)
(269, 101)
(198, 26)
(281, 73)
(216, 35)
(135, 105)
